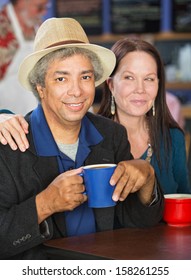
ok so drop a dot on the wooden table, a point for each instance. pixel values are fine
(161, 242)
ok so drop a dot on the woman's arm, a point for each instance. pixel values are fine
(13, 130)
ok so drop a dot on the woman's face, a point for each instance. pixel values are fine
(135, 84)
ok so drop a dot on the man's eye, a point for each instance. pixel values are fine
(128, 78)
(60, 79)
(86, 77)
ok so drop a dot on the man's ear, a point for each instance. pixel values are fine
(40, 91)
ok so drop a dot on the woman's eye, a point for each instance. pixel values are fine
(150, 79)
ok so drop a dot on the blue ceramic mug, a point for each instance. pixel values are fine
(98, 188)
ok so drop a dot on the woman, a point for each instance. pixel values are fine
(135, 96)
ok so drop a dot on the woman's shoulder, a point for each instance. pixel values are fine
(176, 132)
(177, 136)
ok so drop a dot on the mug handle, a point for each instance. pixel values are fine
(82, 175)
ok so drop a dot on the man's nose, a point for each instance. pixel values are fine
(75, 89)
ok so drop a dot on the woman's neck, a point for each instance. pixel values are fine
(138, 134)
(134, 124)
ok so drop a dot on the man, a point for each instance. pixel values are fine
(42, 194)
(18, 22)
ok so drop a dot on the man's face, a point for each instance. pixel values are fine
(69, 90)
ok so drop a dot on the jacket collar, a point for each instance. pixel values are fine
(44, 142)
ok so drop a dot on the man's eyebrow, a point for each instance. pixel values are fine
(65, 72)
(87, 71)
(61, 72)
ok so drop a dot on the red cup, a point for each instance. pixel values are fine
(177, 210)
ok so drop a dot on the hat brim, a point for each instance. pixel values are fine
(106, 56)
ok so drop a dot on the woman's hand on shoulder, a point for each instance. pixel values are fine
(13, 130)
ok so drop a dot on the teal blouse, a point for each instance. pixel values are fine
(5, 111)
(173, 177)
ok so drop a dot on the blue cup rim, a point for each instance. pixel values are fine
(101, 165)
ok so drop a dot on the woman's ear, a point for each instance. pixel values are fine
(40, 91)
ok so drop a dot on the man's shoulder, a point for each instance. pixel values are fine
(101, 121)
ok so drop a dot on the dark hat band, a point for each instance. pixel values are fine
(66, 42)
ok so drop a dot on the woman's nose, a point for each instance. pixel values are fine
(140, 86)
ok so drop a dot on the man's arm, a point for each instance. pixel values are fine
(134, 176)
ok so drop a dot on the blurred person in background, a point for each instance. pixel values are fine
(174, 106)
(19, 20)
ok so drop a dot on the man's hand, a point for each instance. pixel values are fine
(133, 176)
(13, 130)
(65, 193)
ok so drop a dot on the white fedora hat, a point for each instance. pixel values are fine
(58, 33)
